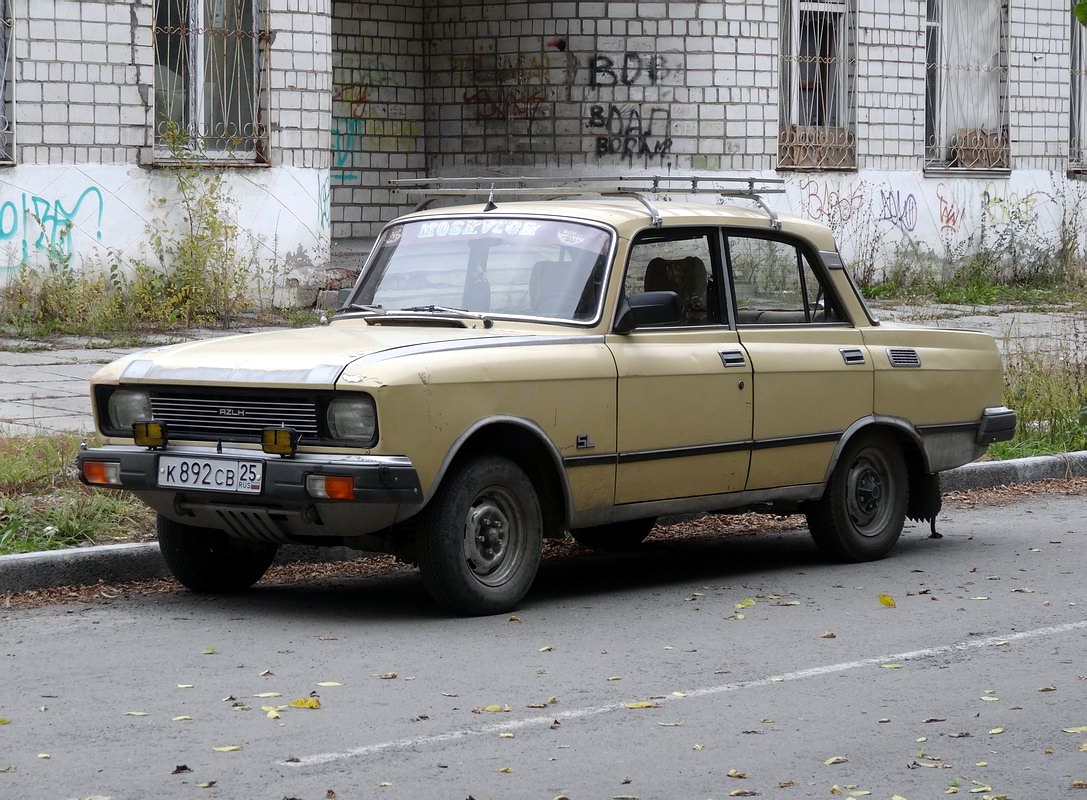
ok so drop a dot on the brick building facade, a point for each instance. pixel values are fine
(911, 125)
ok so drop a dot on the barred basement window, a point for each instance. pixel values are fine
(818, 110)
(1077, 150)
(966, 85)
(7, 83)
(211, 80)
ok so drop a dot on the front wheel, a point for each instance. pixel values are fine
(861, 513)
(209, 561)
(480, 537)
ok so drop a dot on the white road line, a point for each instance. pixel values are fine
(589, 711)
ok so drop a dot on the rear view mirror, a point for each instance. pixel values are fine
(647, 308)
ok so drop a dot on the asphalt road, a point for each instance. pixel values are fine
(765, 695)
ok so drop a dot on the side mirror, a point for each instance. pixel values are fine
(647, 308)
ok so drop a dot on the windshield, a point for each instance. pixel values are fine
(492, 265)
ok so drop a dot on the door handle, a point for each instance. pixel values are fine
(732, 358)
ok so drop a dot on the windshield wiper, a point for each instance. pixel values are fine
(459, 313)
(373, 309)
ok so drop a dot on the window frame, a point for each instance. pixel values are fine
(1077, 116)
(195, 148)
(933, 160)
(8, 87)
(713, 237)
(815, 262)
(812, 147)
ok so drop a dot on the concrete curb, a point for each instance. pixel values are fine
(128, 562)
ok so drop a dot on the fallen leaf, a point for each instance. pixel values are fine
(887, 600)
(614, 678)
(643, 704)
(788, 603)
(227, 748)
(995, 731)
(552, 700)
(181, 718)
(836, 760)
(206, 784)
(5, 721)
(265, 673)
(669, 647)
(980, 597)
(897, 797)
(747, 602)
(384, 785)
(506, 770)
(860, 793)
(505, 735)
(327, 684)
(496, 709)
(269, 694)
(44, 756)
(933, 719)
(306, 702)
(179, 769)
(921, 739)
(272, 713)
(330, 794)
(546, 648)
(1077, 729)
(981, 763)
(1048, 689)
(742, 793)
(135, 713)
(292, 760)
(208, 651)
(185, 685)
(679, 694)
(890, 666)
(767, 721)
(958, 735)
(980, 789)
(1079, 784)
(530, 705)
(884, 719)
(7, 769)
(786, 784)
(449, 694)
(386, 676)
(1023, 590)
(670, 724)
(554, 724)
(698, 746)
(735, 773)
(626, 780)
(837, 790)
(989, 698)
(513, 618)
(1083, 747)
(828, 635)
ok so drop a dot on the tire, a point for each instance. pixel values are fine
(861, 513)
(208, 561)
(479, 538)
(617, 536)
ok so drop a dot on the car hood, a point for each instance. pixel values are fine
(312, 357)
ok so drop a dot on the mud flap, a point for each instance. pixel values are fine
(925, 499)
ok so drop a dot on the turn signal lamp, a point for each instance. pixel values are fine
(149, 433)
(102, 473)
(331, 487)
(279, 441)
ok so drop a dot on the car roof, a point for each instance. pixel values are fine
(627, 215)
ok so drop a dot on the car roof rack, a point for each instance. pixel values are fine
(634, 186)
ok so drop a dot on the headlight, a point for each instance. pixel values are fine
(352, 418)
(126, 406)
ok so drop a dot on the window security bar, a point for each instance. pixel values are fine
(634, 186)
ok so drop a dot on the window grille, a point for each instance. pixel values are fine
(966, 85)
(1077, 149)
(817, 125)
(7, 83)
(211, 79)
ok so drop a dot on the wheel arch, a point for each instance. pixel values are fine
(907, 436)
(526, 444)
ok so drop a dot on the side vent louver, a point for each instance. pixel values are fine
(903, 357)
(852, 355)
(732, 358)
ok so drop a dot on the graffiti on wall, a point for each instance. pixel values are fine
(47, 224)
(628, 69)
(324, 200)
(631, 131)
(505, 102)
(899, 209)
(950, 210)
(822, 202)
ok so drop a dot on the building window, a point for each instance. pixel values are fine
(817, 85)
(210, 79)
(1077, 149)
(966, 85)
(7, 84)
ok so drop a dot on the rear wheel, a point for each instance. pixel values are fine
(480, 537)
(861, 513)
(207, 560)
(616, 536)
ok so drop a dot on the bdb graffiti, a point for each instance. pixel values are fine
(631, 68)
(627, 132)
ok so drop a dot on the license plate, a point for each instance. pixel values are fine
(211, 474)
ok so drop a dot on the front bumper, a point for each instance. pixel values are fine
(385, 490)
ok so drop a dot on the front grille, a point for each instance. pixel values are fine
(233, 418)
